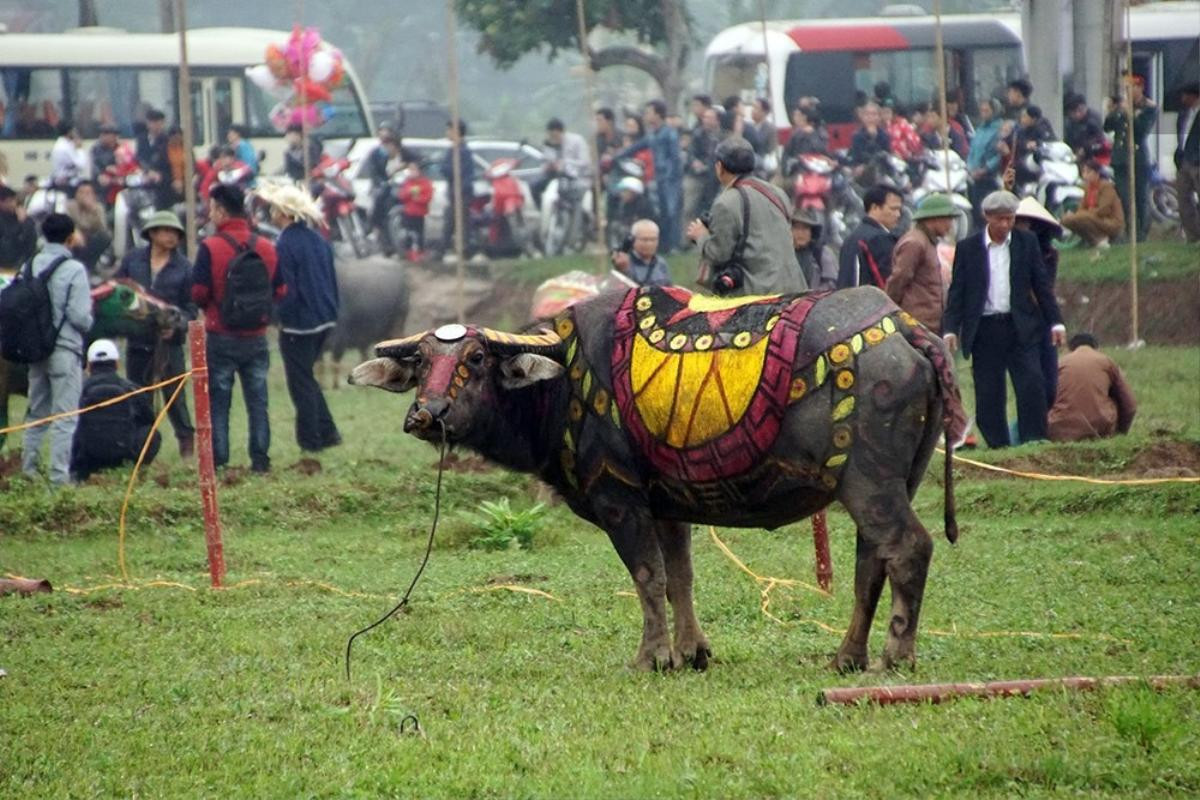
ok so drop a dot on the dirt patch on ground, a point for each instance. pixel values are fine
(500, 580)
(465, 464)
(306, 466)
(1166, 311)
(1163, 459)
(10, 464)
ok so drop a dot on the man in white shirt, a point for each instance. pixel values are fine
(1000, 304)
(69, 162)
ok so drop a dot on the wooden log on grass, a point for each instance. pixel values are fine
(939, 692)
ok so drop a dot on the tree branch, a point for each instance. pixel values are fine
(626, 56)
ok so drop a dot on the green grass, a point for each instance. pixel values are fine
(164, 692)
(1157, 261)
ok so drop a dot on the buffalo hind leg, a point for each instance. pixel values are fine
(869, 575)
(893, 543)
(631, 531)
(675, 543)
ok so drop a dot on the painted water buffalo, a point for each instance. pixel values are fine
(654, 408)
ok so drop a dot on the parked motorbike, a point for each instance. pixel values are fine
(49, 198)
(937, 179)
(1164, 199)
(1058, 186)
(496, 222)
(566, 219)
(134, 205)
(821, 183)
(332, 187)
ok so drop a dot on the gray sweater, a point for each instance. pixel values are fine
(70, 294)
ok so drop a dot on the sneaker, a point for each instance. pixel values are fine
(1103, 244)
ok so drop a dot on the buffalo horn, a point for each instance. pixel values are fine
(400, 348)
(545, 343)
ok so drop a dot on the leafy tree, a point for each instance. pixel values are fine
(654, 37)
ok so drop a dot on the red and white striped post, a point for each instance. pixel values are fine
(204, 454)
(821, 544)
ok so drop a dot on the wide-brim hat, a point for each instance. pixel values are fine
(807, 216)
(162, 219)
(1032, 209)
(935, 206)
(291, 199)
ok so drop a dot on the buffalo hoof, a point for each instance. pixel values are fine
(696, 654)
(656, 659)
(850, 661)
(899, 659)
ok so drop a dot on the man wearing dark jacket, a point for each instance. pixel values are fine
(164, 272)
(1000, 304)
(153, 158)
(18, 233)
(866, 256)
(236, 347)
(112, 435)
(1187, 160)
(308, 311)
(466, 165)
(1084, 129)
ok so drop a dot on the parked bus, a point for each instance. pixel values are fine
(94, 76)
(838, 60)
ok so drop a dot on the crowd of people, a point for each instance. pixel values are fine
(714, 186)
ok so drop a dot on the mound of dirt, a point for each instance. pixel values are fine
(469, 464)
(1168, 458)
(306, 466)
(1166, 310)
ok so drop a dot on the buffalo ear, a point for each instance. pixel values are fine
(385, 373)
(526, 369)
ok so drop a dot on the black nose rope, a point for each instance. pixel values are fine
(437, 510)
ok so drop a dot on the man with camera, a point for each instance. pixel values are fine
(746, 243)
(638, 257)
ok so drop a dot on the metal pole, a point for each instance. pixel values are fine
(456, 154)
(939, 47)
(762, 16)
(1131, 176)
(304, 102)
(204, 454)
(590, 95)
(185, 122)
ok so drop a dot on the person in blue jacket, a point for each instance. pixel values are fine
(663, 143)
(308, 311)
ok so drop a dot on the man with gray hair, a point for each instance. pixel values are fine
(746, 244)
(640, 262)
(1000, 303)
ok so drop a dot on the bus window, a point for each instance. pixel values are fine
(734, 75)
(223, 102)
(116, 96)
(993, 68)
(31, 103)
(347, 120)
(1181, 63)
(829, 77)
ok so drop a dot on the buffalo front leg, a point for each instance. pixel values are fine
(631, 531)
(675, 543)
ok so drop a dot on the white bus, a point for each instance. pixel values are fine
(834, 59)
(92, 76)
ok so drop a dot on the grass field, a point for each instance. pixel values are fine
(179, 691)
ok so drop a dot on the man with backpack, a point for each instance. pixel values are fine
(44, 316)
(112, 435)
(236, 283)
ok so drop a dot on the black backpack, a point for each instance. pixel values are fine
(27, 330)
(248, 293)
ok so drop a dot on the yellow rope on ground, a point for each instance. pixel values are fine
(1037, 476)
(109, 402)
(724, 548)
(511, 587)
(181, 382)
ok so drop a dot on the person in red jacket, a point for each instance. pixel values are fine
(235, 282)
(415, 194)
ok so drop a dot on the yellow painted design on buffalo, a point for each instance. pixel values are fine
(687, 399)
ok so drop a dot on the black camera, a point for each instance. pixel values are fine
(626, 244)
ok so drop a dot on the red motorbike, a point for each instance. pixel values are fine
(497, 214)
(334, 191)
(813, 183)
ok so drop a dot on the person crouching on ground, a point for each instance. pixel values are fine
(1100, 217)
(415, 194)
(308, 311)
(916, 281)
(55, 383)
(642, 263)
(1094, 400)
(113, 435)
(163, 271)
(818, 263)
(236, 282)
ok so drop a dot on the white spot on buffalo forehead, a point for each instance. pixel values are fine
(450, 333)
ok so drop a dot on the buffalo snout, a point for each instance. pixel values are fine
(423, 415)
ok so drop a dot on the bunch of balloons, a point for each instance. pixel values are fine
(302, 73)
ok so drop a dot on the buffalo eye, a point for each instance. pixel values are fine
(476, 358)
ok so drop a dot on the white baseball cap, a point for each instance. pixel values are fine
(103, 350)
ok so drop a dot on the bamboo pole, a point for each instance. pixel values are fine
(939, 692)
(456, 155)
(204, 454)
(185, 122)
(1130, 116)
(940, 48)
(762, 17)
(304, 103)
(598, 207)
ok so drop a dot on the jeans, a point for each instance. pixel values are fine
(139, 368)
(249, 359)
(669, 200)
(54, 388)
(315, 428)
